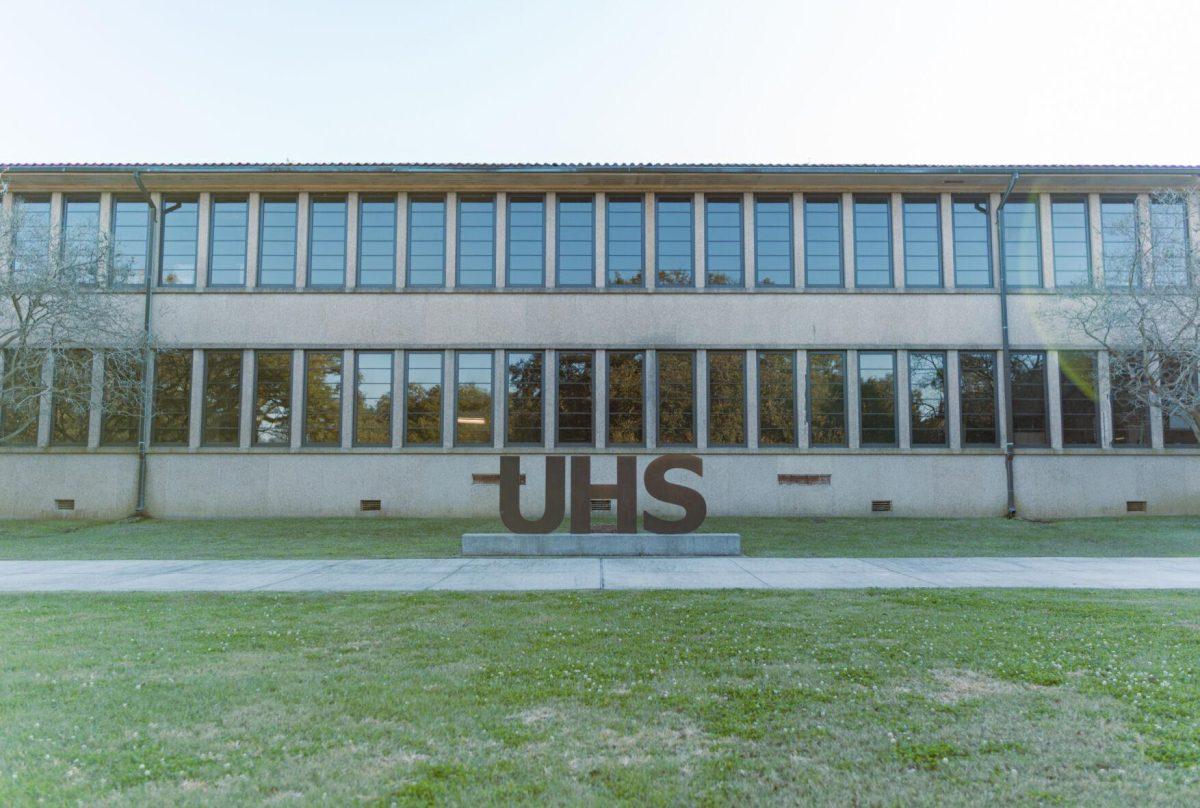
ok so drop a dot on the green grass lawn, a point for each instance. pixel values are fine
(398, 538)
(906, 697)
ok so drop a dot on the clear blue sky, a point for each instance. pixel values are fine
(734, 81)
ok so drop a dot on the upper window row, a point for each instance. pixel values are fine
(1166, 261)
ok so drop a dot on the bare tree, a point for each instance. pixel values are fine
(1146, 311)
(58, 316)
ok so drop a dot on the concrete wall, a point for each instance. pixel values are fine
(331, 484)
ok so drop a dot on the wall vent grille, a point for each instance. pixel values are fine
(64, 504)
(1135, 506)
(881, 505)
(601, 504)
(805, 479)
(489, 479)
(370, 505)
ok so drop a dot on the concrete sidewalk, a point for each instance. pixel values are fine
(519, 574)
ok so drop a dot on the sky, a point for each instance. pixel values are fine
(742, 81)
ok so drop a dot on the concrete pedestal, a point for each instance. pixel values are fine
(601, 544)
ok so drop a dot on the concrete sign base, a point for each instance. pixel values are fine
(601, 544)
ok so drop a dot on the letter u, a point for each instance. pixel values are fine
(510, 496)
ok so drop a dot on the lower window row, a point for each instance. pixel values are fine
(629, 406)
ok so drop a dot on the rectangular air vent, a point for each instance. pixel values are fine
(370, 505)
(881, 505)
(489, 479)
(64, 504)
(804, 479)
(1135, 506)
(601, 504)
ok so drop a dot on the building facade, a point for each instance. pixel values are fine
(335, 339)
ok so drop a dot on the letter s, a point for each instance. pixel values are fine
(694, 507)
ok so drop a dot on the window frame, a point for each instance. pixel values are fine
(1009, 390)
(912, 431)
(791, 240)
(263, 201)
(708, 426)
(1055, 200)
(608, 441)
(313, 201)
(558, 359)
(841, 241)
(559, 199)
(1063, 380)
(255, 443)
(720, 198)
(996, 410)
(408, 243)
(808, 386)
(658, 399)
(791, 355)
(205, 365)
(304, 441)
(213, 201)
(116, 202)
(167, 201)
(508, 353)
(367, 199)
(895, 400)
(355, 440)
(441, 439)
(922, 199)
(674, 198)
(610, 199)
(467, 198)
(456, 440)
(508, 239)
(975, 200)
(1005, 275)
(874, 199)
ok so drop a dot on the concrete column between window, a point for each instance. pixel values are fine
(1095, 240)
(749, 259)
(106, 229)
(953, 401)
(896, 209)
(351, 239)
(701, 376)
(903, 411)
(751, 399)
(1104, 399)
(451, 239)
(401, 240)
(1193, 220)
(56, 220)
(449, 398)
(599, 242)
(1046, 234)
(798, 265)
(1158, 438)
(246, 404)
(1145, 250)
(946, 234)
(1054, 400)
(994, 236)
(46, 403)
(650, 243)
(196, 404)
(349, 390)
(96, 400)
(1002, 381)
(699, 235)
(852, 412)
(399, 397)
(203, 225)
(651, 404)
(499, 396)
(802, 436)
(297, 399)
(501, 235)
(849, 279)
(550, 240)
(550, 397)
(600, 396)
(253, 226)
(302, 225)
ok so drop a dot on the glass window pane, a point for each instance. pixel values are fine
(172, 398)
(674, 241)
(927, 398)
(21, 390)
(322, 398)
(1021, 252)
(723, 241)
(71, 398)
(473, 399)
(624, 241)
(576, 408)
(277, 243)
(1130, 400)
(377, 243)
(130, 241)
(877, 398)
(776, 398)
(373, 398)
(30, 228)
(827, 399)
(1176, 390)
(1119, 237)
(222, 398)
(1027, 375)
(227, 258)
(1077, 388)
(773, 241)
(526, 242)
(426, 241)
(423, 399)
(676, 398)
(476, 240)
(1170, 258)
(272, 398)
(120, 424)
(180, 233)
(822, 241)
(626, 398)
(922, 241)
(1072, 251)
(327, 241)
(872, 242)
(977, 385)
(576, 228)
(726, 398)
(972, 242)
(526, 381)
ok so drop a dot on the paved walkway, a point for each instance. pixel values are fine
(516, 574)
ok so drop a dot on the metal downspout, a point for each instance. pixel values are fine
(1005, 362)
(147, 353)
